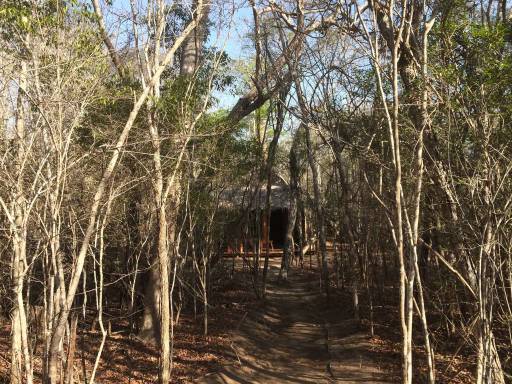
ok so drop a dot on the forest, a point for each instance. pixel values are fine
(255, 191)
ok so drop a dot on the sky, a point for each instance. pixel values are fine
(231, 37)
(232, 22)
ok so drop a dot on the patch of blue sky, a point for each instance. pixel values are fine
(231, 24)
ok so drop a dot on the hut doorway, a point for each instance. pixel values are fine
(277, 227)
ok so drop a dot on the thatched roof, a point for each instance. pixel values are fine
(240, 198)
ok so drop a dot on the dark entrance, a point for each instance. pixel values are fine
(278, 224)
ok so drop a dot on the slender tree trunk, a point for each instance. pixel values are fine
(317, 203)
(21, 366)
(272, 149)
(163, 260)
(318, 210)
(70, 363)
(58, 333)
(292, 210)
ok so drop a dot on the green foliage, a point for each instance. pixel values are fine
(468, 55)
(471, 63)
(181, 95)
(106, 115)
(21, 17)
(231, 154)
(60, 36)
(15, 17)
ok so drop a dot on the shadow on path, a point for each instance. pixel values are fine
(296, 338)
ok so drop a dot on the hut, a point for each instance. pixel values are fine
(247, 229)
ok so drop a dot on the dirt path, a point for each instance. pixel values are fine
(294, 339)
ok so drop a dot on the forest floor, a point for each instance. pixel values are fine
(127, 359)
(295, 337)
(291, 337)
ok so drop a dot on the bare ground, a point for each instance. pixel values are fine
(294, 337)
(297, 338)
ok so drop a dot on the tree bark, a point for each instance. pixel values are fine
(58, 333)
(318, 210)
(193, 45)
(21, 367)
(292, 209)
(272, 149)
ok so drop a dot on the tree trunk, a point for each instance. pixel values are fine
(272, 149)
(292, 210)
(150, 327)
(20, 355)
(193, 45)
(71, 351)
(318, 210)
(163, 263)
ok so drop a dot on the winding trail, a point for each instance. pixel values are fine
(296, 339)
